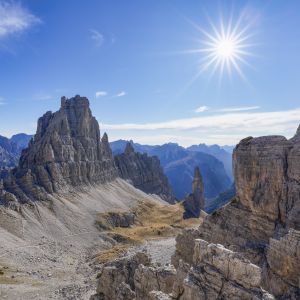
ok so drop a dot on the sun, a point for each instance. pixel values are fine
(224, 48)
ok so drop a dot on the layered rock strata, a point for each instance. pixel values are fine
(195, 201)
(144, 172)
(262, 221)
(65, 152)
(214, 272)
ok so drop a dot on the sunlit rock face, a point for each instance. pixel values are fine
(144, 172)
(65, 151)
(266, 207)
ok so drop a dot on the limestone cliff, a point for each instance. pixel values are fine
(66, 151)
(264, 217)
(194, 202)
(144, 172)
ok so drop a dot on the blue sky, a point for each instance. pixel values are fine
(131, 59)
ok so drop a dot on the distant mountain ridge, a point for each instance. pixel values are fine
(179, 164)
(21, 139)
(218, 152)
(10, 149)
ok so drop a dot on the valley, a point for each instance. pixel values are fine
(77, 222)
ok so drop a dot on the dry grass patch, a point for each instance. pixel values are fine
(152, 220)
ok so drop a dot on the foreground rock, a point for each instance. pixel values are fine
(214, 272)
(144, 172)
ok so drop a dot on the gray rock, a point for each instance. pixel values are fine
(195, 201)
(266, 207)
(115, 274)
(147, 279)
(144, 172)
(65, 152)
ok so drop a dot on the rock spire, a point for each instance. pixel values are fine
(194, 202)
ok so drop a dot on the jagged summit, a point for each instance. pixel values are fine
(144, 172)
(65, 151)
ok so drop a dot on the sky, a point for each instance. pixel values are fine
(154, 71)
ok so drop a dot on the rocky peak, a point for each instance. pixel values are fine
(65, 151)
(195, 202)
(144, 172)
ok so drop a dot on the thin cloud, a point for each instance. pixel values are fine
(218, 128)
(15, 19)
(2, 101)
(201, 109)
(121, 94)
(97, 37)
(43, 96)
(101, 94)
(247, 122)
(243, 108)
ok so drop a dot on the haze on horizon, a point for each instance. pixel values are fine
(174, 71)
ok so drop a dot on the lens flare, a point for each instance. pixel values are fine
(224, 48)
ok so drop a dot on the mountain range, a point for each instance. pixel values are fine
(10, 149)
(179, 164)
(69, 205)
(215, 162)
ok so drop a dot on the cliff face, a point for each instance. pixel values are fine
(144, 172)
(65, 151)
(265, 215)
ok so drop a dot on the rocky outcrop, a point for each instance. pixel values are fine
(283, 265)
(219, 273)
(213, 272)
(116, 278)
(65, 152)
(195, 201)
(148, 279)
(144, 172)
(263, 218)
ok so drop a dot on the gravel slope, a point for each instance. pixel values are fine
(46, 249)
